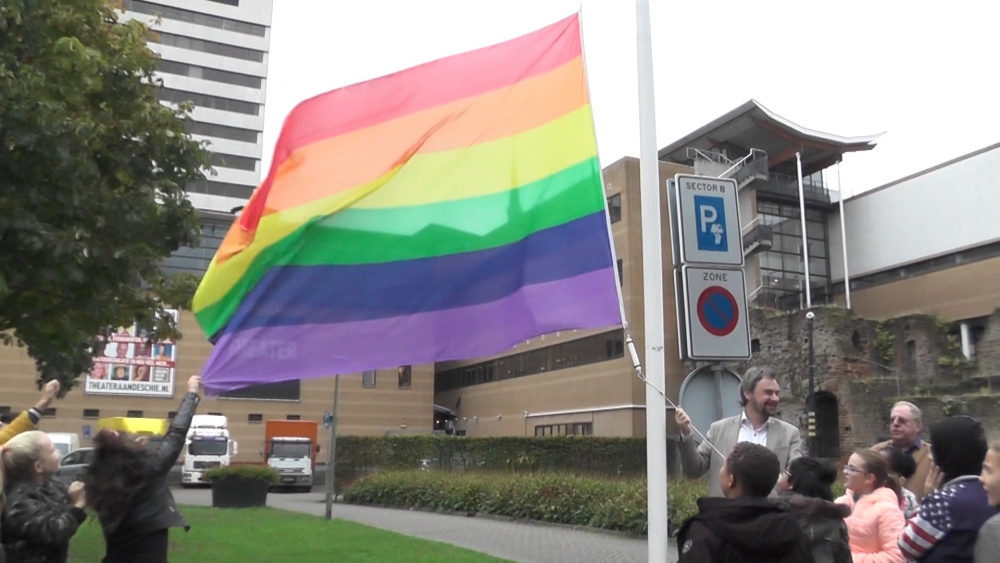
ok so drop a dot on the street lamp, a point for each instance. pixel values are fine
(810, 316)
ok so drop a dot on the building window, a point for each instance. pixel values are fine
(856, 341)
(615, 208)
(781, 267)
(234, 162)
(221, 131)
(211, 187)
(91, 413)
(368, 378)
(171, 415)
(206, 101)
(134, 414)
(197, 18)
(4, 409)
(911, 356)
(255, 418)
(196, 260)
(280, 391)
(405, 377)
(211, 74)
(621, 274)
(210, 47)
(293, 417)
(49, 412)
(579, 352)
(216, 414)
(755, 345)
(572, 429)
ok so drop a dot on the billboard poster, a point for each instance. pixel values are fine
(129, 364)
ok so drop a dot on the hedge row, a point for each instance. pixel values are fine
(612, 504)
(358, 456)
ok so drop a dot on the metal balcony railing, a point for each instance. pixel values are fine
(714, 156)
(759, 234)
(788, 187)
(753, 167)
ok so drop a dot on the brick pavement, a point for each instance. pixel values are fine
(526, 543)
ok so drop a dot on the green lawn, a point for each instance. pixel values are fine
(265, 534)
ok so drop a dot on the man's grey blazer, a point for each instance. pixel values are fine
(782, 439)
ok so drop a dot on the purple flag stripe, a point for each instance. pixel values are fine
(269, 354)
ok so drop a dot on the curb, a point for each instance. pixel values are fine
(501, 518)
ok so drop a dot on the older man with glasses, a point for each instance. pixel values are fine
(905, 424)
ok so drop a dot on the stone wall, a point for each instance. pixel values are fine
(988, 349)
(867, 366)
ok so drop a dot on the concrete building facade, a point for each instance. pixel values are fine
(926, 243)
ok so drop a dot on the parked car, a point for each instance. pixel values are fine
(71, 465)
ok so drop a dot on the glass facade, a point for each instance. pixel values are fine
(781, 268)
(196, 260)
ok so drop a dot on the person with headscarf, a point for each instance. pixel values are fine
(956, 506)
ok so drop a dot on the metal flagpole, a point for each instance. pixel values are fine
(629, 343)
(652, 283)
(805, 238)
(843, 241)
(331, 455)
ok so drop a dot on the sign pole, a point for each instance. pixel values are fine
(331, 454)
(812, 388)
(652, 293)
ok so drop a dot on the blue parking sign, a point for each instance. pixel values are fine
(711, 217)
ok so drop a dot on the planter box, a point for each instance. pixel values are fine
(233, 492)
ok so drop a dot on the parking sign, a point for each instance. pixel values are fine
(708, 211)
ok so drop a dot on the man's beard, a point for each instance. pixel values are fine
(762, 409)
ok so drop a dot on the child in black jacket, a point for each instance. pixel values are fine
(744, 526)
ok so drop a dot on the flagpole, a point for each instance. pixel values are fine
(652, 293)
(805, 237)
(843, 241)
(607, 212)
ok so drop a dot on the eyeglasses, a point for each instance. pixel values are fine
(848, 470)
(786, 473)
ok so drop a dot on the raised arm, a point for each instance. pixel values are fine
(28, 419)
(168, 452)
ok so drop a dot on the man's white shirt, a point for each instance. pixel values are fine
(748, 434)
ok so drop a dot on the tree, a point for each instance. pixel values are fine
(92, 176)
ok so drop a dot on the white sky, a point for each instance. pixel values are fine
(926, 73)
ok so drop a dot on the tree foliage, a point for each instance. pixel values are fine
(92, 176)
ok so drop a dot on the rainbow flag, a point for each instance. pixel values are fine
(443, 212)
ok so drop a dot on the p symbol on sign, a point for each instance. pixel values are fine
(708, 217)
(711, 212)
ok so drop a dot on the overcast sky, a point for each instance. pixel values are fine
(927, 76)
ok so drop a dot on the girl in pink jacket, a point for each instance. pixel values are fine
(876, 520)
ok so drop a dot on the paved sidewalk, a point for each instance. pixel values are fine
(525, 543)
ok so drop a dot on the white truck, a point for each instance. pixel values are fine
(290, 447)
(208, 445)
